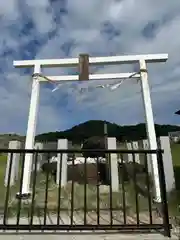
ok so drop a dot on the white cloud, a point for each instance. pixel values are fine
(41, 14)
(81, 30)
(9, 10)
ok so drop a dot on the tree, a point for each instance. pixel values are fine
(50, 168)
(95, 128)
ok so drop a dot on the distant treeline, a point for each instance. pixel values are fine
(91, 128)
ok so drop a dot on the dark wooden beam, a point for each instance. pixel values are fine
(83, 67)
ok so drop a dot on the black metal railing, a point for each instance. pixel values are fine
(82, 193)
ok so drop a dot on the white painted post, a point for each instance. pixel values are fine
(129, 147)
(62, 144)
(111, 144)
(150, 126)
(149, 163)
(135, 146)
(31, 131)
(15, 164)
(168, 163)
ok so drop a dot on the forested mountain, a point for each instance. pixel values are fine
(96, 128)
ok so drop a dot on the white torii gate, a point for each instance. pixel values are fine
(71, 62)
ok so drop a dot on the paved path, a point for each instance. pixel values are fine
(86, 236)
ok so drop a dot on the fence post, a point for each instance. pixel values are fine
(15, 164)
(164, 205)
(114, 174)
(62, 144)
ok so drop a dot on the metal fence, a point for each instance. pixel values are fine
(85, 199)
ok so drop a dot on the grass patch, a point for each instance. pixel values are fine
(93, 201)
(174, 196)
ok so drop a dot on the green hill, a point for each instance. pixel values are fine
(96, 128)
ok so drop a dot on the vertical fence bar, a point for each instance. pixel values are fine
(110, 191)
(46, 192)
(135, 186)
(72, 194)
(59, 191)
(122, 175)
(33, 189)
(20, 189)
(148, 189)
(85, 191)
(167, 231)
(97, 190)
(8, 190)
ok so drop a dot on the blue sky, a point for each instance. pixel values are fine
(32, 29)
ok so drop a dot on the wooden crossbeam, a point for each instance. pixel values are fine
(83, 67)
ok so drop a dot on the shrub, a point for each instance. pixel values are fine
(50, 168)
(94, 143)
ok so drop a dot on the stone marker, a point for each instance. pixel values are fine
(38, 145)
(62, 144)
(111, 144)
(168, 163)
(164, 144)
(135, 146)
(148, 158)
(129, 147)
(15, 164)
